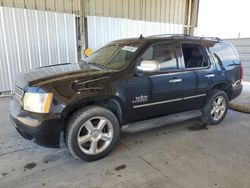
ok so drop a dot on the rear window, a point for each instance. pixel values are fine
(224, 53)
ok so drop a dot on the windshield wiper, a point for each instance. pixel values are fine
(84, 63)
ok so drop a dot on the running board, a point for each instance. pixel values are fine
(157, 122)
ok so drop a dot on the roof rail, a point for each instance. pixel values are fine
(185, 35)
(159, 35)
(212, 38)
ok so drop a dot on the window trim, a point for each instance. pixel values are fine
(202, 49)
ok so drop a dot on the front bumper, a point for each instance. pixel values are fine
(45, 129)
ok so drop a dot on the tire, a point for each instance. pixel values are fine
(92, 133)
(212, 108)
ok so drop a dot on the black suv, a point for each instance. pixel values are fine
(127, 81)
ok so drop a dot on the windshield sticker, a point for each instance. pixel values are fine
(130, 48)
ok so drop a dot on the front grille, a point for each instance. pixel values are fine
(18, 94)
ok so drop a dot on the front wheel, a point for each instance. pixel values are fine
(92, 133)
(216, 108)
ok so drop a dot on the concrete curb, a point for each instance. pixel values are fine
(240, 107)
(3, 96)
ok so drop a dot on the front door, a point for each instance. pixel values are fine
(157, 93)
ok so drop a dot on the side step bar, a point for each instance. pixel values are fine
(160, 121)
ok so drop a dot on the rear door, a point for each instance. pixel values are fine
(158, 93)
(198, 74)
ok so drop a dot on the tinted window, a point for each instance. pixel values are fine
(193, 56)
(225, 53)
(164, 54)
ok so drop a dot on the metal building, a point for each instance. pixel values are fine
(43, 32)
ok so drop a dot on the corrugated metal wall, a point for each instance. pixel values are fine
(66, 6)
(102, 30)
(243, 48)
(30, 38)
(114, 19)
(168, 11)
(33, 38)
(162, 11)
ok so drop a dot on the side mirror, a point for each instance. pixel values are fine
(149, 66)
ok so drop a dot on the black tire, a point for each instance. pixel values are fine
(75, 124)
(207, 117)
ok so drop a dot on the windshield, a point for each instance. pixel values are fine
(113, 56)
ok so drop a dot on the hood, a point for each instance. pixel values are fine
(43, 75)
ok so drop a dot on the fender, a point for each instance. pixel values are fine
(108, 101)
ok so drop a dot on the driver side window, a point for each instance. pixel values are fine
(164, 54)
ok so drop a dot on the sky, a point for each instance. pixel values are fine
(224, 18)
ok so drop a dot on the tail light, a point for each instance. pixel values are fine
(241, 73)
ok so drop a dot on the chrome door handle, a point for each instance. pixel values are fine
(209, 75)
(175, 80)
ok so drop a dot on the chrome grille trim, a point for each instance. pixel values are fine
(18, 93)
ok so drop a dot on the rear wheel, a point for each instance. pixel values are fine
(216, 108)
(92, 133)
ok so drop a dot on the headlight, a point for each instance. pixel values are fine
(37, 102)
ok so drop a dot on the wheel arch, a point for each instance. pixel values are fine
(224, 86)
(114, 104)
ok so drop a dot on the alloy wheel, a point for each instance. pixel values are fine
(218, 108)
(95, 135)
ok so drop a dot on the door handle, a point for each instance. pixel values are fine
(209, 75)
(175, 80)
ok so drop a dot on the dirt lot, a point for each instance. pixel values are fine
(178, 155)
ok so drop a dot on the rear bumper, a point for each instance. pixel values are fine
(236, 91)
(45, 129)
